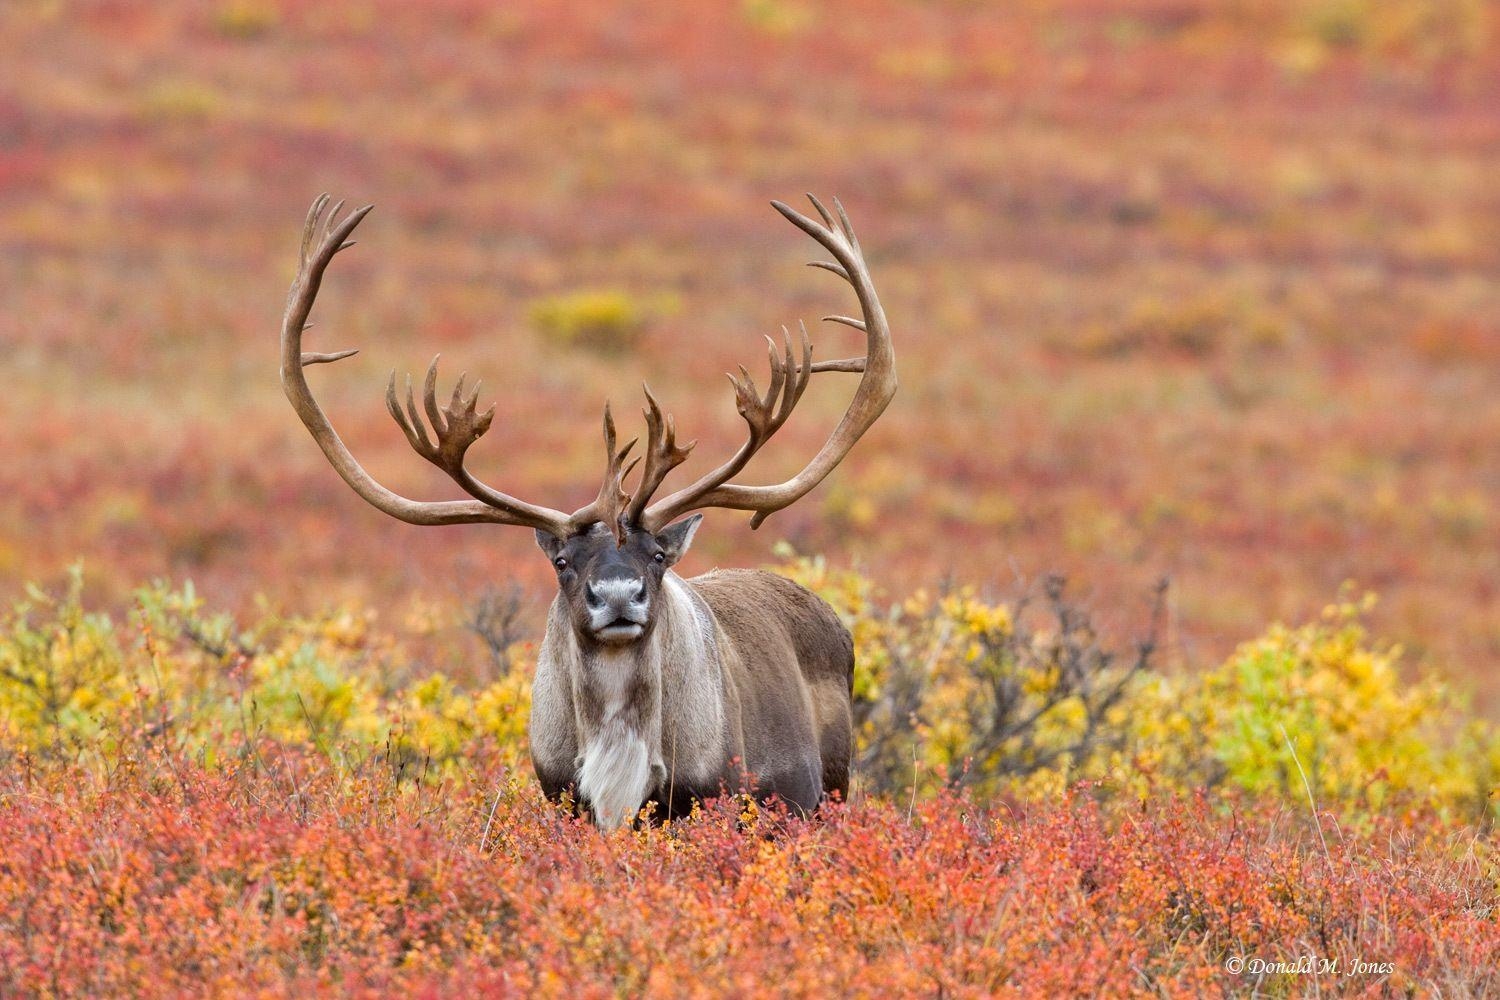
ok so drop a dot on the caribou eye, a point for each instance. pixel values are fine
(660, 557)
(560, 563)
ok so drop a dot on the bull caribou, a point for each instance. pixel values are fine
(650, 688)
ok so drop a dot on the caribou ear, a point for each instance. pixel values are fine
(675, 539)
(549, 543)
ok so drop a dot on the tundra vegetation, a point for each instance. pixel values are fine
(283, 804)
(1183, 288)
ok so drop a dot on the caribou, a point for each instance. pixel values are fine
(652, 690)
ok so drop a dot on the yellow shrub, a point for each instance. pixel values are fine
(606, 321)
(948, 688)
(72, 680)
(245, 19)
(1323, 702)
(930, 670)
(180, 100)
(1425, 30)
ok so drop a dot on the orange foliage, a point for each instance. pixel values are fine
(280, 877)
(1180, 287)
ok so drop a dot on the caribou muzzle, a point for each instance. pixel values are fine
(619, 608)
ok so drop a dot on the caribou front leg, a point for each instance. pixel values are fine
(553, 731)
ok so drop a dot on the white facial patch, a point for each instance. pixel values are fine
(618, 600)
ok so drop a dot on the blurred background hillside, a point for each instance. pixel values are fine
(1207, 290)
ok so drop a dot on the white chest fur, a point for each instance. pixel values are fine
(615, 775)
(624, 749)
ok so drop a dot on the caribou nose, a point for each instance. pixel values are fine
(615, 592)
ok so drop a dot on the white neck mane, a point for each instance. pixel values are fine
(627, 749)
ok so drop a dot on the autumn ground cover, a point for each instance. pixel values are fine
(1179, 289)
(288, 882)
(192, 803)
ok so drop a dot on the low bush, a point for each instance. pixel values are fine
(951, 690)
(295, 807)
(73, 683)
(608, 322)
(1027, 700)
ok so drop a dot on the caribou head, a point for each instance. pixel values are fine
(641, 669)
(611, 589)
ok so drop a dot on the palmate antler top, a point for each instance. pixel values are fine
(457, 425)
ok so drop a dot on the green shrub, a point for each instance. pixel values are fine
(1325, 702)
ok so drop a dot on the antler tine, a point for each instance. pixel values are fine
(429, 398)
(751, 404)
(427, 449)
(799, 374)
(309, 228)
(662, 455)
(325, 234)
(457, 399)
(874, 393)
(312, 358)
(858, 324)
(841, 365)
(416, 435)
(848, 229)
(827, 219)
(416, 421)
(609, 506)
(778, 377)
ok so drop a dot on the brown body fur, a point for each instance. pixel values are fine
(772, 623)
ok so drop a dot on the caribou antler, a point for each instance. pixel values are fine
(455, 427)
(662, 455)
(608, 507)
(764, 415)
